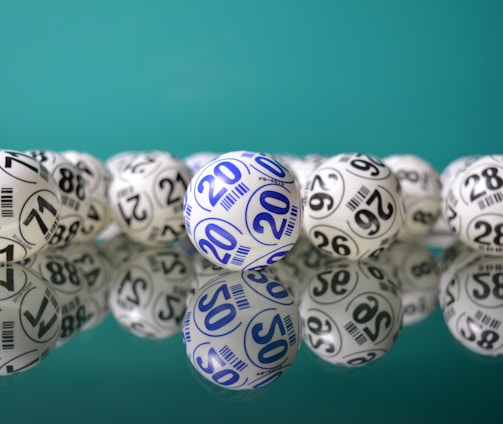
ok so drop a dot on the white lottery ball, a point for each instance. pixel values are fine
(351, 313)
(353, 206)
(242, 330)
(96, 268)
(421, 189)
(473, 205)
(472, 305)
(98, 179)
(197, 160)
(74, 195)
(243, 210)
(148, 294)
(30, 319)
(70, 287)
(146, 198)
(30, 205)
(417, 272)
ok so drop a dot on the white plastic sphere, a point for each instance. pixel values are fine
(351, 313)
(473, 204)
(30, 319)
(98, 178)
(472, 304)
(97, 270)
(243, 210)
(148, 293)
(421, 189)
(146, 198)
(74, 195)
(70, 287)
(353, 206)
(417, 272)
(241, 330)
(30, 206)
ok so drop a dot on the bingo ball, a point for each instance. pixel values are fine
(472, 304)
(353, 206)
(473, 204)
(30, 319)
(146, 198)
(241, 330)
(147, 294)
(30, 205)
(351, 312)
(421, 189)
(69, 284)
(74, 195)
(98, 178)
(96, 268)
(417, 272)
(243, 210)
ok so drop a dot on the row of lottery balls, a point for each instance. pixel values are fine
(243, 209)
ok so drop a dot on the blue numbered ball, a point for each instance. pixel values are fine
(242, 330)
(243, 210)
(353, 206)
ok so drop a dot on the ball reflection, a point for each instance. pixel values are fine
(351, 312)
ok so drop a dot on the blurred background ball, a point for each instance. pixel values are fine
(351, 312)
(472, 304)
(146, 197)
(353, 206)
(421, 189)
(30, 319)
(472, 204)
(148, 293)
(98, 179)
(30, 205)
(97, 269)
(74, 195)
(243, 210)
(417, 272)
(241, 330)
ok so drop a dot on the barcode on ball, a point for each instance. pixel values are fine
(7, 202)
(490, 200)
(487, 320)
(354, 332)
(358, 198)
(232, 359)
(230, 198)
(7, 335)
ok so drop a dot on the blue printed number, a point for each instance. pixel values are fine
(274, 167)
(226, 172)
(224, 377)
(273, 288)
(217, 238)
(273, 350)
(217, 315)
(274, 203)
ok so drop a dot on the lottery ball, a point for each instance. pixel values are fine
(351, 313)
(69, 284)
(353, 206)
(473, 204)
(197, 160)
(146, 198)
(421, 189)
(241, 331)
(147, 294)
(30, 319)
(472, 304)
(30, 205)
(98, 178)
(417, 272)
(243, 210)
(96, 268)
(74, 195)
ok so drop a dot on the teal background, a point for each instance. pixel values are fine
(379, 77)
